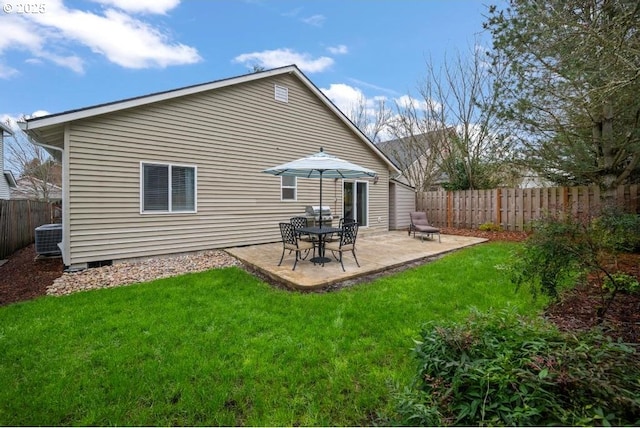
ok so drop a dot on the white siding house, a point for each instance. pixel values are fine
(7, 180)
(181, 170)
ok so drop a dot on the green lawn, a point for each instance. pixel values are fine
(223, 348)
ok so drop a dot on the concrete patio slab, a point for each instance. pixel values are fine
(376, 253)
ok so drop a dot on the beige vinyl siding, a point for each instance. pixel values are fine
(402, 200)
(231, 134)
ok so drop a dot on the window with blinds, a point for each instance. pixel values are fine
(167, 188)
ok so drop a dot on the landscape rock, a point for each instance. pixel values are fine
(140, 271)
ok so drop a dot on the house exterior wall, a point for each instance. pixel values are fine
(230, 134)
(402, 200)
(4, 186)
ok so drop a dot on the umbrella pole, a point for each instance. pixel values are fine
(320, 217)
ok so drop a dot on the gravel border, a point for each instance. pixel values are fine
(127, 273)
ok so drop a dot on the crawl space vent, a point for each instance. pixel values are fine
(282, 94)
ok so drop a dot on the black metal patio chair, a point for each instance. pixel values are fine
(291, 242)
(347, 242)
(299, 223)
(342, 222)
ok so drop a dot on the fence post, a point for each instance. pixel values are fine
(449, 208)
(499, 207)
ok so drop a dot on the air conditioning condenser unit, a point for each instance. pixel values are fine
(48, 236)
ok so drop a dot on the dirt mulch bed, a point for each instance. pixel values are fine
(24, 277)
(505, 235)
(578, 308)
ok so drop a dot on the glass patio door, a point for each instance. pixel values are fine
(356, 201)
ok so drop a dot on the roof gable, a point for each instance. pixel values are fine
(48, 130)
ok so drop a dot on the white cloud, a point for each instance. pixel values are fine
(7, 72)
(353, 102)
(160, 7)
(406, 101)
(12, 120)
(18, 32)
(315, 20)
(281, 57)
(338, 50)
(14, 31)
(345, 97)
(39, 113)
(8, 120)
(293, 12)
(122, 39)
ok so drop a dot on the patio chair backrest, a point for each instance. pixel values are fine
(419, 217)
(349, 234)
(345, 220)
(299, 222)
(288, 234)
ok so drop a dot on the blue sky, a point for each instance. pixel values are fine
(58, 55)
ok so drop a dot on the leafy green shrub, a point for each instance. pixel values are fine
(501, 369)
(490, 227)
(621, 230)
(556, 254)
(563, 249)
(620, 281)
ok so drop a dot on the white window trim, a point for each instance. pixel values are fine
(169, 164)
(294, 187)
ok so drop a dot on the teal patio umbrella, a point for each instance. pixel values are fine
(321, 165)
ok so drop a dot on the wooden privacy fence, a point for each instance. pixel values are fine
(18, 220)
(514, 209)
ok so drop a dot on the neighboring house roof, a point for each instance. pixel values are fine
(31, 188)
(406, 150)
(402, 183)
(50, 128)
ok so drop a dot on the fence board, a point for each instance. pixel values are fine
(515, 209)
(18, 221)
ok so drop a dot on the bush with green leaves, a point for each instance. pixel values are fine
(490, 227)
(563, 249)
(502, 369)
(620, 230)
(620, 281)
(559, 251)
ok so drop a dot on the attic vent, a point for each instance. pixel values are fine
(282, 94)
